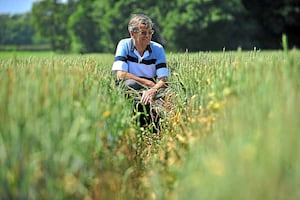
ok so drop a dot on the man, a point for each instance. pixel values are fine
(140, 63)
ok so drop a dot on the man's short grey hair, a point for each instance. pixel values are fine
(137, 19)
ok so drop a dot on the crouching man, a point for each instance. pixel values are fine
(140, 65)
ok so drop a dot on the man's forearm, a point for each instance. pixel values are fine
(122, 75)
(161, 83)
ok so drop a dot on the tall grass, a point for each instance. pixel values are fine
(66, 131)
(57, 115)
(252, 151)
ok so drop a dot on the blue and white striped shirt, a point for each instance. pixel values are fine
(151, 65)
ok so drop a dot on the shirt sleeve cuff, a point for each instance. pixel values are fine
(120, 65)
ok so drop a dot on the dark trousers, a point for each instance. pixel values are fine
(147, 116)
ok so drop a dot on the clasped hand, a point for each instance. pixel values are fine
(147, 96)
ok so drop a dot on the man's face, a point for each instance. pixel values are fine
(143, 36)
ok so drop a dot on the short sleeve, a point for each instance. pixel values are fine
(120, 60)
(160, 65)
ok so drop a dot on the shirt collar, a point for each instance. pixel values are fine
(132, 46)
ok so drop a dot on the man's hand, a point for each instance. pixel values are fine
(148, 96)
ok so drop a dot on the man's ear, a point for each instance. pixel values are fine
(131, 33)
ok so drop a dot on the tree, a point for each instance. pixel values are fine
(97, 26)
(113, 16)
(277, 17)
(4, 21)
(49, 18)
(15, 30)
(207, 25)
(83, 29)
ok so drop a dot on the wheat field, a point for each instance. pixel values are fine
(66, 131)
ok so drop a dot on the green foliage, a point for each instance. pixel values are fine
(113, 18)
(276, 17)
(230, 132)
(251, 150)
(16, 30)
(194, 25)
(53, 121)
(285, 43)
(50, 21)
(83, 30)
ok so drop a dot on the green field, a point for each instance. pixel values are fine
(66, 132)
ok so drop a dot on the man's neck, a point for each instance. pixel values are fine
(141, 57)
(141, 50)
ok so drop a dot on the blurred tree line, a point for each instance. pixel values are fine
(84, 26)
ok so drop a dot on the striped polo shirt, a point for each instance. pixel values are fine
(151, 65)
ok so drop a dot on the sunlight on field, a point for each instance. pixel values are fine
(231, 131)
(252, 149)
